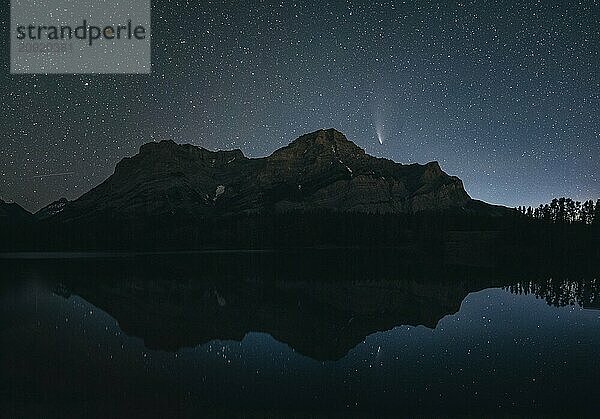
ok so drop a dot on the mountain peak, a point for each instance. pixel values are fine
(170, 146)
(323, 136)
(323, 143)
(155, 146)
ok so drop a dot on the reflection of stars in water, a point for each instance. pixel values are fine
(222, 351)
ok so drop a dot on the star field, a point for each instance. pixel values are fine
(506, 96)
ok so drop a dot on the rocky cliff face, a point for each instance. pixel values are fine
(320, 170)
(51, 209)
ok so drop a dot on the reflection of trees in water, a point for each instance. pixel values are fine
(562, 292)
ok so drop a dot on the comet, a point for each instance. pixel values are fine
(379, 129)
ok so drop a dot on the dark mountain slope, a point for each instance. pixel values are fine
(318, 171)
(13, 213)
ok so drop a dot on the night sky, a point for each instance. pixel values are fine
(504, 95)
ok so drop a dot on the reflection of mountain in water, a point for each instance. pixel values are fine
(321, 303)
(320, 320)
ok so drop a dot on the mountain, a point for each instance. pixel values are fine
(13, 213)
(322, 170)
(51, 209)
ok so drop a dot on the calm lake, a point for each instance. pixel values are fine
(176, 335)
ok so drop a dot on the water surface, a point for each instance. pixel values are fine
(177, 335)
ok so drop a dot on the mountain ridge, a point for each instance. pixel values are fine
(322, 170)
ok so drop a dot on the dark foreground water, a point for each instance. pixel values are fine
(184, 334)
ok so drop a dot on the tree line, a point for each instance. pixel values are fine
(565, 211)
(562, 292)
